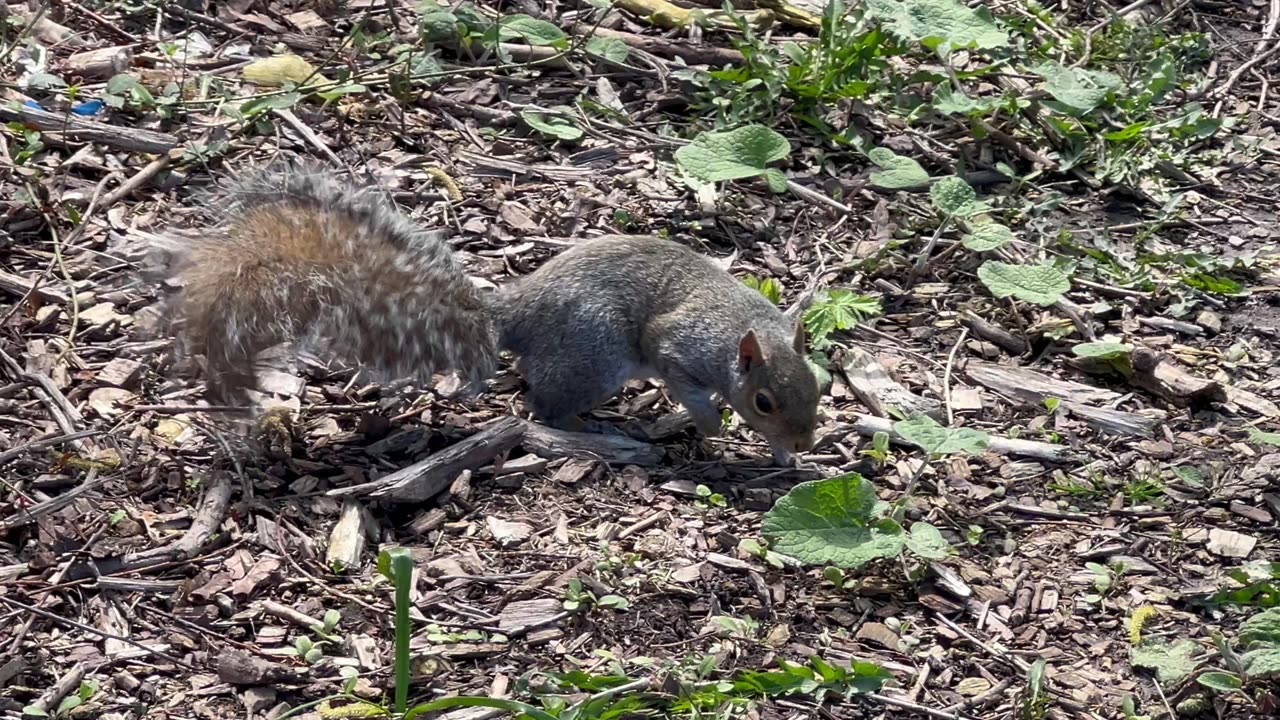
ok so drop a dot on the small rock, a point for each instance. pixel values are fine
(257, 699)
(1230, 544)
(757, 499)
(687, 488)
(528, 464)
(1210, 321)
(507, 533)
(726, 562)
(879, 634)
(1157, 449)
(688, 573)
(576, 470)
(120, 372)
(109, 402)
(103, 314)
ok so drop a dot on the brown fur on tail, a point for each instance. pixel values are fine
(302, 257)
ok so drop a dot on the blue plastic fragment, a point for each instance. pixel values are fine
(32, 104)
(90, 107)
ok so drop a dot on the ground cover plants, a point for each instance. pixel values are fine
(1033, 247)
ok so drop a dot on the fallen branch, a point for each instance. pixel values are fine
(691, 53)
(550, 443)
(70, 127)
(429, 477)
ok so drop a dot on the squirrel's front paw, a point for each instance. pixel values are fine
(783, 457)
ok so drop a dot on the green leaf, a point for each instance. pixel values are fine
(1220, 681)
(1258, 437)
(768, 287)
(436, 24)
(1172, 663)
(927, 542)
(1216, 284)
(954, 102)
(1262, 664)
(34, 711)
(1043, 285)
(987, 236)
(741, 153)
(608, 48)
(953, 196)
(555, 123)
(282, 101)
(510, 706)
(925, 432)
(776, 179)
(615, 602)
(531, 31)
(938, 24)
(831, 522)
(120, 84)
(837, 310)
(1261, 629)
(896, 172)
(1078, 89)
(69, 703)
(1102, 350)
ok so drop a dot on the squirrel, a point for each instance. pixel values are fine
(302, 257)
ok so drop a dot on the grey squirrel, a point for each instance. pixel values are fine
(300, 256)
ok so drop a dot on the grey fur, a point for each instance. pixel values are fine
(623, 307)
(385, 293)
(368, 284)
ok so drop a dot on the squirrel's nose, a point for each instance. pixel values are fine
(803, 444)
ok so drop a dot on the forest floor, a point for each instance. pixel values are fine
(1051, 230)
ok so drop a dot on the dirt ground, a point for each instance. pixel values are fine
(143, 550)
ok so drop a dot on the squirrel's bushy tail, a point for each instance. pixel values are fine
(299, 256)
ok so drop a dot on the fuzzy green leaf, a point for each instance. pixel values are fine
(925, 432)
(1043, 285)
(531, 31)
(955, 102)
(926, 541)
(608, 48)
(1220, 681)
(1262, 664)
(1102, 350)
(1078, 89)
(832, 522)
(953, 196)
(555, 124)
(741, 153)
(776, 179)
(938, 24)
(1258, 437)
(987, 236)
(1172, 663)
(1261, 629)
(896, 172)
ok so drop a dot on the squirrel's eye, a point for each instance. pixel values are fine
(764, 403)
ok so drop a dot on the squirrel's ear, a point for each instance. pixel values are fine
(798, 341)
(749, 354)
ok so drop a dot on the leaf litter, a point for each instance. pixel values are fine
(1073, 429)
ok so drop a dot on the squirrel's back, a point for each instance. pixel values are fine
(300, 256)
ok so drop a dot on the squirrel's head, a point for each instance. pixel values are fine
(777, 392)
